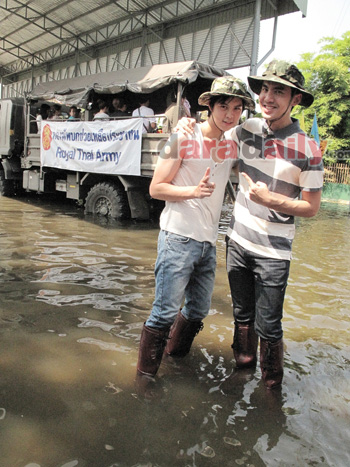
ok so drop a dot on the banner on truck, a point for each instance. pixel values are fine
(107, 147)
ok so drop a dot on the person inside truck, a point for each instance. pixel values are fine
(57, 112)
(149, 123)
(170, 114)
(73, 113)
(115, 105)
(38, 119)
(42, 114)
(102, 113)
(121, 110)
(190, 176)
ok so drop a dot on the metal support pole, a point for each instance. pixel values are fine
(144, 46)
(256, 35)
(272, 48)
(32, 78)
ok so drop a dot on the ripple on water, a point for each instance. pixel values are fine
(99, 301)
(105, 345)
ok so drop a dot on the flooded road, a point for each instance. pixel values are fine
(74, 296)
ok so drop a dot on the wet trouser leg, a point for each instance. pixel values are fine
(198, 294)
(258, 286)
(185, 270)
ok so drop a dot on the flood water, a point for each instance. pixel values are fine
(74, 296)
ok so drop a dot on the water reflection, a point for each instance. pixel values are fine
(74, 296)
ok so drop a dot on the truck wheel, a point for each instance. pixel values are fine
(7, 187)
(107, 199)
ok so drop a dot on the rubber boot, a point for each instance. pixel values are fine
(271, 362)
(151, 350)
(181, 336)
(245, 345)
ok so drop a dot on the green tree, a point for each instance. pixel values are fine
(327, 77)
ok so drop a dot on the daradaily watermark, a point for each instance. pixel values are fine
(294, 148)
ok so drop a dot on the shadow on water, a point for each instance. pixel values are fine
(74, 295)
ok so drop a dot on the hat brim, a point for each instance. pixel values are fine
(204, 99)
(255, 83)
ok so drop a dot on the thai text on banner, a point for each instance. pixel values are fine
(109, 147)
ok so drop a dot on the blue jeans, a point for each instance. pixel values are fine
(185, 269)
(258, 285)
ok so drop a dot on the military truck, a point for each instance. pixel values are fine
(59, 157)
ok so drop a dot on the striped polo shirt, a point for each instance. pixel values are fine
(288, 162)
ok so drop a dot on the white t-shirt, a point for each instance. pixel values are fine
(197, 218)
(144, 111)
(101, 116)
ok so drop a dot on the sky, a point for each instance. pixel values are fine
(297, 35)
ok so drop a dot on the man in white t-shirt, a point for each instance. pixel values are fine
(149, 123)
(191, 176)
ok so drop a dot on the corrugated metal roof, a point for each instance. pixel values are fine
(41, 39)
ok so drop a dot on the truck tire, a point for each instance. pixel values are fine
(107, 199)
(7, 187)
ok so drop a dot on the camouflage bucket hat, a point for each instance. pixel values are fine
(228, 86)
(285, 73)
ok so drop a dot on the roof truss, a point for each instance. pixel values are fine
(37, 34)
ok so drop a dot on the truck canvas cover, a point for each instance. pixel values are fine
(143, 80)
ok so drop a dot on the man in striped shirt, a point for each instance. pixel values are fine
(280, 176)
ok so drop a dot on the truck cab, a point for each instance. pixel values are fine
(11, 143)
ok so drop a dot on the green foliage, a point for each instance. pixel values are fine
(327, 77)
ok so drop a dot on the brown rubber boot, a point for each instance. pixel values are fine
(181, 336)
(271, 362)
(151, 350)
(245, 345)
